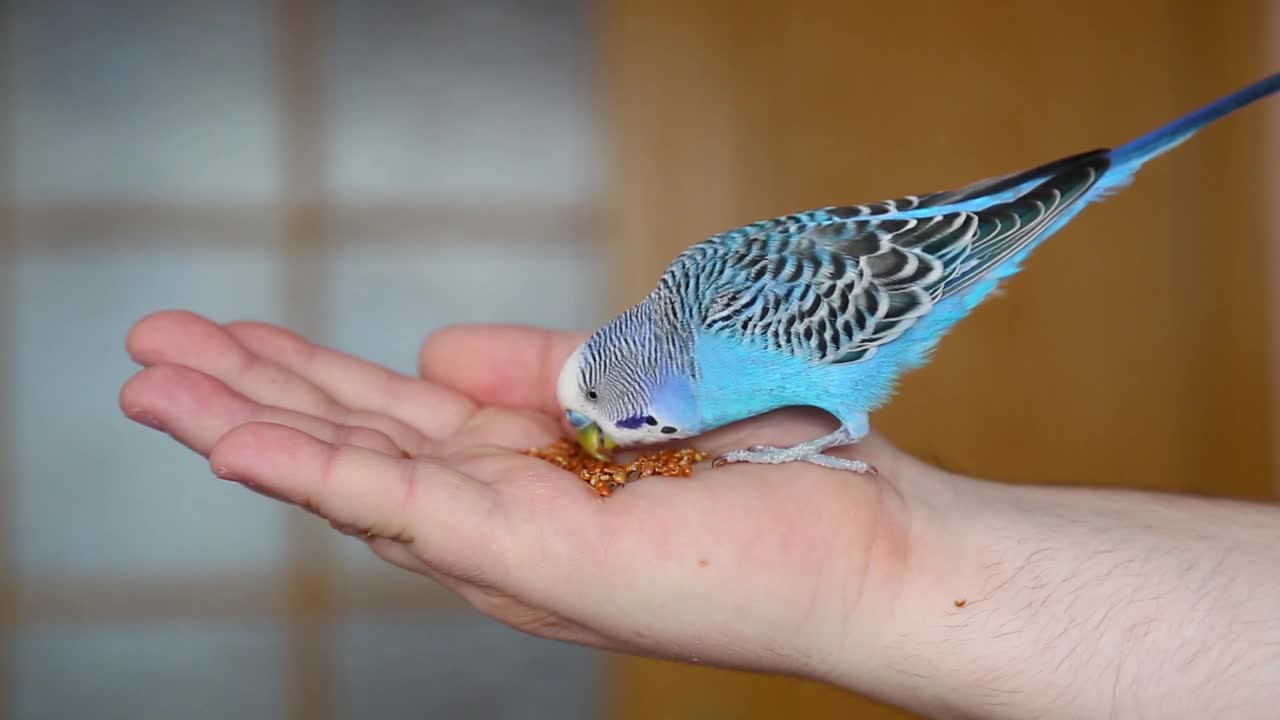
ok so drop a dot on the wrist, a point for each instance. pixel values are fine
(961, 632)
(1023, 601)
(990, 620)
(920, 577)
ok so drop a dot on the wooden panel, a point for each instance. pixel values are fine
(229, 596)
(1221, 206)
(1133, 348)
(304, 243)
(75, 227)
(8, 478)
(1271, 162)
(8, 303)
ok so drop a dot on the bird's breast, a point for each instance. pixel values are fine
(738, 380)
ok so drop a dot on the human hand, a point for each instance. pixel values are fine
(790, 568)
(778, 568)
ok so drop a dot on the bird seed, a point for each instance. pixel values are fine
(604, 476)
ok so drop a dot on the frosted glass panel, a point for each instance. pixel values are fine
(140, 100)
(388, 298)
(461, 668)
(96, 494)
(460, 100)
(143, 671)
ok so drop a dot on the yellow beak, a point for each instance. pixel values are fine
(595, 442)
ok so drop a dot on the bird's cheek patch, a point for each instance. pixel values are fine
(674, 405)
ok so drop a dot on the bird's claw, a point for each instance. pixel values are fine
(768, 455)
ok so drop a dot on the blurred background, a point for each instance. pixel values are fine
(364, 172)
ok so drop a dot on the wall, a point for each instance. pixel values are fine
(362, 172)
(1134, 348)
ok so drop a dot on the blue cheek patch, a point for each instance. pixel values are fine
(674, 402)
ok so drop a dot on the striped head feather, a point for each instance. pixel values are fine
(634, 377)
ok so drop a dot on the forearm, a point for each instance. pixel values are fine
(1079, 603)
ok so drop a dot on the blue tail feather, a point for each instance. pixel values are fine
(1157, 141)
(1125, 160)
(915, 345)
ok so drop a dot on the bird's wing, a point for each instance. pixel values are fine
(835, 284)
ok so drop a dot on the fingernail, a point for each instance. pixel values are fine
(224, 473)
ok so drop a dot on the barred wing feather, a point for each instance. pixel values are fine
(836, 284)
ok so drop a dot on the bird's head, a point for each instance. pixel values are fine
(618, 390)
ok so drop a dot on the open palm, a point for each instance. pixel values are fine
(767, 567)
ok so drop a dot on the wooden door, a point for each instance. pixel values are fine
(1133, 348)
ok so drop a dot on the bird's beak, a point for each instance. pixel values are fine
(591, 437)
(595, 442)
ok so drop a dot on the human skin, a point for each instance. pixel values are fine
(947, 595)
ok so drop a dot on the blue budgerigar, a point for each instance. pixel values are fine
(827, 308)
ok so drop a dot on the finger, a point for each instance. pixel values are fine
(183, 338)
(494, 427)
(433, 410)
(451, 521)
(197, 410)
(510, 366)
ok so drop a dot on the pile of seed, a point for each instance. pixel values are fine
(605, 476)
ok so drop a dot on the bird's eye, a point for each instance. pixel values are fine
(667, 430)
(650, 420)
(592, 395)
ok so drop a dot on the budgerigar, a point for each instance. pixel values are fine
(827, 308)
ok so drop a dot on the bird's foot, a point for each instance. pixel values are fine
(769, 455)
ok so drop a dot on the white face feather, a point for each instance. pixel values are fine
(573, 397)
(568, 391)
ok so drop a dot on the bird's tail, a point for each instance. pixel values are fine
(1133, 154)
